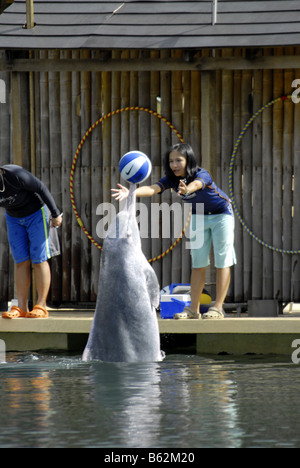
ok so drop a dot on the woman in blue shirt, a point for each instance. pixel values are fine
(196, 187)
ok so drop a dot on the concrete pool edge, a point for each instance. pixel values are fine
(68, 330)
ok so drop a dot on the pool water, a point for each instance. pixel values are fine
(187, 401)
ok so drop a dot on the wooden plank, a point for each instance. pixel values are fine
(125, 101)
(257, 182)
(66, 162)
(85, 114)
(245, 205)
(96, 177)
(295, 268)
(197, 131)
(44, 156)
(20, 117)
(55, 166)
(156, 160)
(287, 185)
(237, 271)
(170, 64)
(222, 176)
(76, 230)
(278, 88)
(267, 184)
(116, 131)
(144, 138)
(166, 139)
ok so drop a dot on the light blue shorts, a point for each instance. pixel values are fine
(216, 229)
(29, 237)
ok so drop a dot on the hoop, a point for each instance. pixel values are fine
(242, 134)
(89, 131)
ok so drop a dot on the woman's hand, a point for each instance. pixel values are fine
(182, 188)
(121, 193)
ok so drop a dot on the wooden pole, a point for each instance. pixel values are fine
(96, 174)
(287, 184)
(85, 110)
(278, 87)
(246, 169)
(76, 133)
(214, 11)
(66, 153)
(267, 184)
(29, 14)
(257, 184)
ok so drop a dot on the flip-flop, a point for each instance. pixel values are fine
(14, 313)
(213, 313)
(38, 312)
(187, 313)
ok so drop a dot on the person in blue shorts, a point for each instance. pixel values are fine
(211, 212)
(25, 199)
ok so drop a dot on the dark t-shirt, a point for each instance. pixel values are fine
(22, 194)
(214, 199)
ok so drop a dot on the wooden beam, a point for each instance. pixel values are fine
(202, 64)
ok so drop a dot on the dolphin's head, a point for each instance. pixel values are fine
(125, 226)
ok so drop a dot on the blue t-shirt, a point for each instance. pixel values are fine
(214, 199)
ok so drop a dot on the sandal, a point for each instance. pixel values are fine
(38, 312)
(14, 313)
(187, 313)
(213, 313)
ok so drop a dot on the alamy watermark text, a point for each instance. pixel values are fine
(163, 221)
(296, 93)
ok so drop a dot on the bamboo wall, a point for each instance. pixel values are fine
(209, 109)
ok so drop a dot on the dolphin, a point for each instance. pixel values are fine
(125, 326)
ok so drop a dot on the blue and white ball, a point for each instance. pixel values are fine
(135, 167)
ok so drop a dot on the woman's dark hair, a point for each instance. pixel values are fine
(191, 164)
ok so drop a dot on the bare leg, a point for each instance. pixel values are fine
(223, 283)
(197, 286)
(43, 281)
(23, 279)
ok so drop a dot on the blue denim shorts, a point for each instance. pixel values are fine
(219, 231)
(29, 237)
